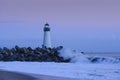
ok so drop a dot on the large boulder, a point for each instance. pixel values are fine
(1, 57)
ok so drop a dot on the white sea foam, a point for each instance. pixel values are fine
(77, 57)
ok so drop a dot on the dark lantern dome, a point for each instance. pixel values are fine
(47, 24)
(46, 28)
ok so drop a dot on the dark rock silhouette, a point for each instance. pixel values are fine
(29, 54)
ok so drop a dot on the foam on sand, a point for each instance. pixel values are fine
(82, 71)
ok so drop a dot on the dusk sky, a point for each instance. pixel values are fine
(84, 25)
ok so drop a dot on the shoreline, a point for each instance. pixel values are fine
(9, 75)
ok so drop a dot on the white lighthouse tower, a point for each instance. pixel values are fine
(46, 40)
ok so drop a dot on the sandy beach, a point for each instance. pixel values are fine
(8, 75)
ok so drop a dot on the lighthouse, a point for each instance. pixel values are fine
(46, 38)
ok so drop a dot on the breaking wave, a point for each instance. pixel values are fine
(77, 57)
(104, 59)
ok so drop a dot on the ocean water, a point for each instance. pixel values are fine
(90, 57)
(103, 54)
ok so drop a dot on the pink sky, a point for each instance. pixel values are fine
(77, 11)
(75, 23)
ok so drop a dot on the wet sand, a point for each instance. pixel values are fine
(7, 75)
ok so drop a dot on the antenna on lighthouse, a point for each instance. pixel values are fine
(46, 38)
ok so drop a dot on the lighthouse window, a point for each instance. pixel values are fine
(46, 29)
